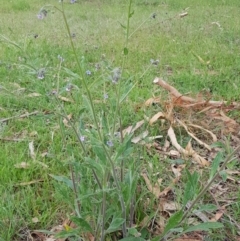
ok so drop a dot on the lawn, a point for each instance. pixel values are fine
(66, 155)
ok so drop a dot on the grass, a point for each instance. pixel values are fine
(209, 32)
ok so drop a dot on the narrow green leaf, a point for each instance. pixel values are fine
(207, 207)
(125, 51)
(223, 174)
(87, 104)
(63, 179)
(115, 225)
(71, 73)
(191, 187)
(173, 221)
(133, 232)
(131, 14)
(95, 165)
(100, 153)
(82, 224)
(127, 90)
(215, 164)
(204, 227)
(123, 26)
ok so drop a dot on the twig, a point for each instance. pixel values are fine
(10, 139)
(19, 116)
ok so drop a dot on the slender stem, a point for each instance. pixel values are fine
(95, 119)
(103, 212)
(75, 187)
(205, 189)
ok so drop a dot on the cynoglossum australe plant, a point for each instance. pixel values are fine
(104, 172)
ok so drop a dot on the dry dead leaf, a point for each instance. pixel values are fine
(174, 142)
(174, 154)
(65, 99)
(29, 183)
(177, 169)
(182, 15)
(33, 134)
(218, 215)
(140, 137)
(153, 189)
(151, 101)
(193, 136)
(31, 149)
(188, 152)
(166, 145)
(66, 120)
(165, 192)
(34, 95)
(157, 116)
(200, 160)
(35, 220)
(22, 165)
(166, 205)
(214, 137)
(19, 116)
(132, 129)
(218, 190)
(10, 139)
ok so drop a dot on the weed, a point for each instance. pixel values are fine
(81, 164)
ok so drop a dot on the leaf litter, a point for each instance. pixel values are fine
(205, 122)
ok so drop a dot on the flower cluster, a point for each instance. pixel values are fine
(116, 75)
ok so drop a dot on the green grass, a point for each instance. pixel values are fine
(211, 31)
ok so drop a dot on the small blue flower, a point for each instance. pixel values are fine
(72, 1)
(88, 72)
(69, 87)
(41, 73)
(53, 92)
(105, 96)
(60, 58)
(82, 138)
(154, 62)
(117, 134)
(110, 143)
(116, 75)
(40, 16)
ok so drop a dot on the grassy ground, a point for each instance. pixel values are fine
(195, 53)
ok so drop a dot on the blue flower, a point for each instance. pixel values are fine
(116, 75)
(82, 138)
(41, 73)
(105, 96)
(110, 143)
(88, 72)
(72, 1)
(60, 58)
(154, 62)
(40, 16)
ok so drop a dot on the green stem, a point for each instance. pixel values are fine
(96, 122)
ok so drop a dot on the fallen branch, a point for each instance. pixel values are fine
(188, 100)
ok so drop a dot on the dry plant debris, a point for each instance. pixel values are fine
(205, 122)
